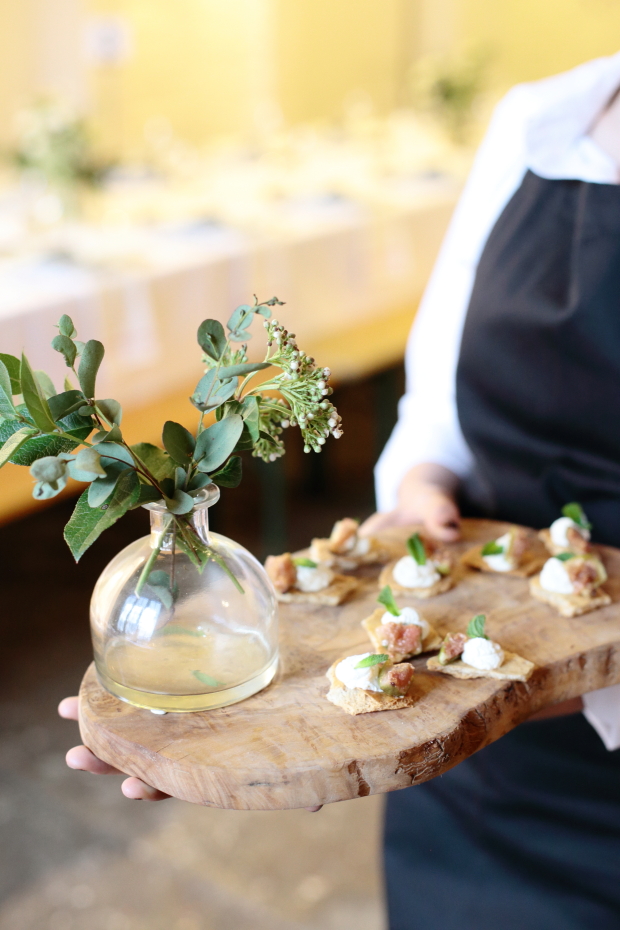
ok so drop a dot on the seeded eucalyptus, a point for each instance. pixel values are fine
(75, 434)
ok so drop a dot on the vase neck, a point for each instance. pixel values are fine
(164, 528)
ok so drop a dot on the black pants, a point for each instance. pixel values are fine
(524, 835)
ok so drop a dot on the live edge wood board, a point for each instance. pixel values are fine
(288, 747)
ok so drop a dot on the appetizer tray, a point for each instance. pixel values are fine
(288, 747)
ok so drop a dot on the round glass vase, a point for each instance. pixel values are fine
(172, 637)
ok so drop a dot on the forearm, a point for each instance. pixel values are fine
(428, 475)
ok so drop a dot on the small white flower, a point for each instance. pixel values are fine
(272, 457)
(327, 372)
(266, 324)
(307, 449)
(321, 385)
(294, 366)
(332, 421)
(310, 416)
(275, 322)
(285, 424)
(321, 441)
(337, 433)
(325, 391)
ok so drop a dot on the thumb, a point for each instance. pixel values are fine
(443, 519)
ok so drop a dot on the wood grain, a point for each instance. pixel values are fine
(288, 747)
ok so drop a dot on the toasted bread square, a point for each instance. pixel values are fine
(387, 577)
(371, 625)
(513, 668)
(378, 553)
(545, 536)
(356, 701)
(338, 591)
(532, 561)
(569, 605)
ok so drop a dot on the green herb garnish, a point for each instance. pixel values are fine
(475, 627)
(576, 513)
(305, 563)
(206, 679)
(564, 556)
(492, 548)
(416, 549)
(387, 599)
(369, 661)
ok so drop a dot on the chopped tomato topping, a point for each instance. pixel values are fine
(282, 572)
(402, 638)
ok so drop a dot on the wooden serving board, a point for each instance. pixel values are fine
(288, 747)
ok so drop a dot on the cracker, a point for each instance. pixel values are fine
(513, 668)
(444, 583)
(356, 701)
(371, 625)
(379, 553)
(338, 591)
(569, 605)
(532, 561)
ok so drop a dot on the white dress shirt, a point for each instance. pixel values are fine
(542, 126)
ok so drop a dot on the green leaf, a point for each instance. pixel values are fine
(102, 488)
(564, 556)
(251, 417)
(156, 460)
(14, 442)
(180, 478)
(114, 450)
(87, 524)
(230, 475)
(576, 513)
(240, 317)
(5, 381)
(215, 390)
(61, 405)
(66, 347)
(180, 502)
(212, 338)
(7, 408)
(205, 679)
(89, 461)
(91, 359)
(416, 549)
(66, 327)
(242, 335)
(39, 446)
(491, 548)
(198, 482)
(305, 563)
(235, 371)
(44, 490)
(216, 443)
(148, 495)
(369, 661)
(113, 435)
(160, 584)
(46, 384)
(475, 627)
(111, 410)
(178, 442)
(37, 405)
(12, 365)
(387, 599)
(48, 469)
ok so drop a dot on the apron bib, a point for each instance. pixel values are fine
(526, 833)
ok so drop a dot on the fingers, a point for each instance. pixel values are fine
(84, 760)
(137, 790)
(442, 519)
(378, 522)
(68, 708)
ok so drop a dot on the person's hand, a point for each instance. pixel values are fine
(426, 495)
(83, 759)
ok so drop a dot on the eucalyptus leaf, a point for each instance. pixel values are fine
(34, 399)
(112, 435)
(114, 450)
(216, 443)
(180, 478)
(61, 405)
(245, 441)
(178, 442)
(5, 381)
(198, 482)
(475, 627)
(101, 487)
(44, 490)
(66, 347)
(91, 359)
(156, 460)
(87, 523)
(212, 338)
(89, 460)
(66, 327)
(14, 442)
(148, 495)
(111, 410)
(162, 594)
(12, 365)
(180, 502)
(387, 599)
(240, 317)
(230, 475)
(243, 335)
(416, 549)
(251, 417)
(370, 661)
(206, 679)
(49, 469)
(46, 384)
(236, 371)
(211, 392)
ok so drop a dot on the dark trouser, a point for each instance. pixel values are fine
(524, 835)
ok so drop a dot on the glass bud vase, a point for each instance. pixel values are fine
(169, 636)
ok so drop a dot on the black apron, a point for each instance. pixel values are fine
(525, 835)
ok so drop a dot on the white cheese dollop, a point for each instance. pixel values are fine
(313, 579)
(409, 574)
(554, 577)
(558, 531)
(482, 653)
(409, 617)
(500, 562)
(357, 545)
(365, 678)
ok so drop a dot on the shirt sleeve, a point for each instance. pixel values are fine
(428, 428)
(602, 711)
